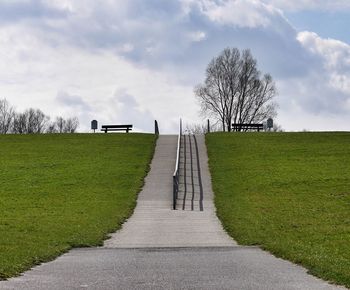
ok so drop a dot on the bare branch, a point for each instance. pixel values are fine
(6, 116)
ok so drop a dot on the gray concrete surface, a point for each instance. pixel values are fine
(241, 268)
(155, 224)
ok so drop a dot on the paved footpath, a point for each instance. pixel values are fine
(159, 248)
(155, 224)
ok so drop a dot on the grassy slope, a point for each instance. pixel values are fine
(289, 193)
(65, 190)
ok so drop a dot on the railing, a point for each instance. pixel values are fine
(176, 174)
(199, 176)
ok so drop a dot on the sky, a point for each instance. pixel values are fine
(135, 61)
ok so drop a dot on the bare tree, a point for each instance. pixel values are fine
(71, 125)
(32, 121)
(19, 123)
(60, 124)
(40, 121)
(277, 128)
(36, 121)
(51, 128)
(202, 128)
(6, 116)
(195, 129)
(235, 91)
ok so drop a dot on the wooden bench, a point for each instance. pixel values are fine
(125, 128)
(246, 127)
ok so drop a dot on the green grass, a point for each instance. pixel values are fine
(288, 193)
(65, 190)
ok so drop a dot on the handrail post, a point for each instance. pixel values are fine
(174, 192)
(177, 166)
(156, 128)
(180, 126)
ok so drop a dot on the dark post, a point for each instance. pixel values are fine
(208, 130)
(94, 125)
(270, 123)
(156, 128)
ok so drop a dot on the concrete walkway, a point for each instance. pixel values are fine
(232, 268)
(155, 224)
(159, 248)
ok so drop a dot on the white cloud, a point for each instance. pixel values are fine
(14, 1)
(129, 111)
(298, 5)
(336, 53)
(126, 47)
(240, 13)
(320, 99)
(66, 5)
(197, 36)
(141, 59)
(336, 59)
(69, 81)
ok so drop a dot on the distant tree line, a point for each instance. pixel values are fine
(196, 128)
(32, 121)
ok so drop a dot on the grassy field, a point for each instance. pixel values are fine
(65, 190)
(288, 193)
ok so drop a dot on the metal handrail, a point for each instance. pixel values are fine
(176, 174)
(199, 176)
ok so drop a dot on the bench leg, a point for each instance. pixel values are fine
(127, 130)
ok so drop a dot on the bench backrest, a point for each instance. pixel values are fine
(248, 125)
(116, 126)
